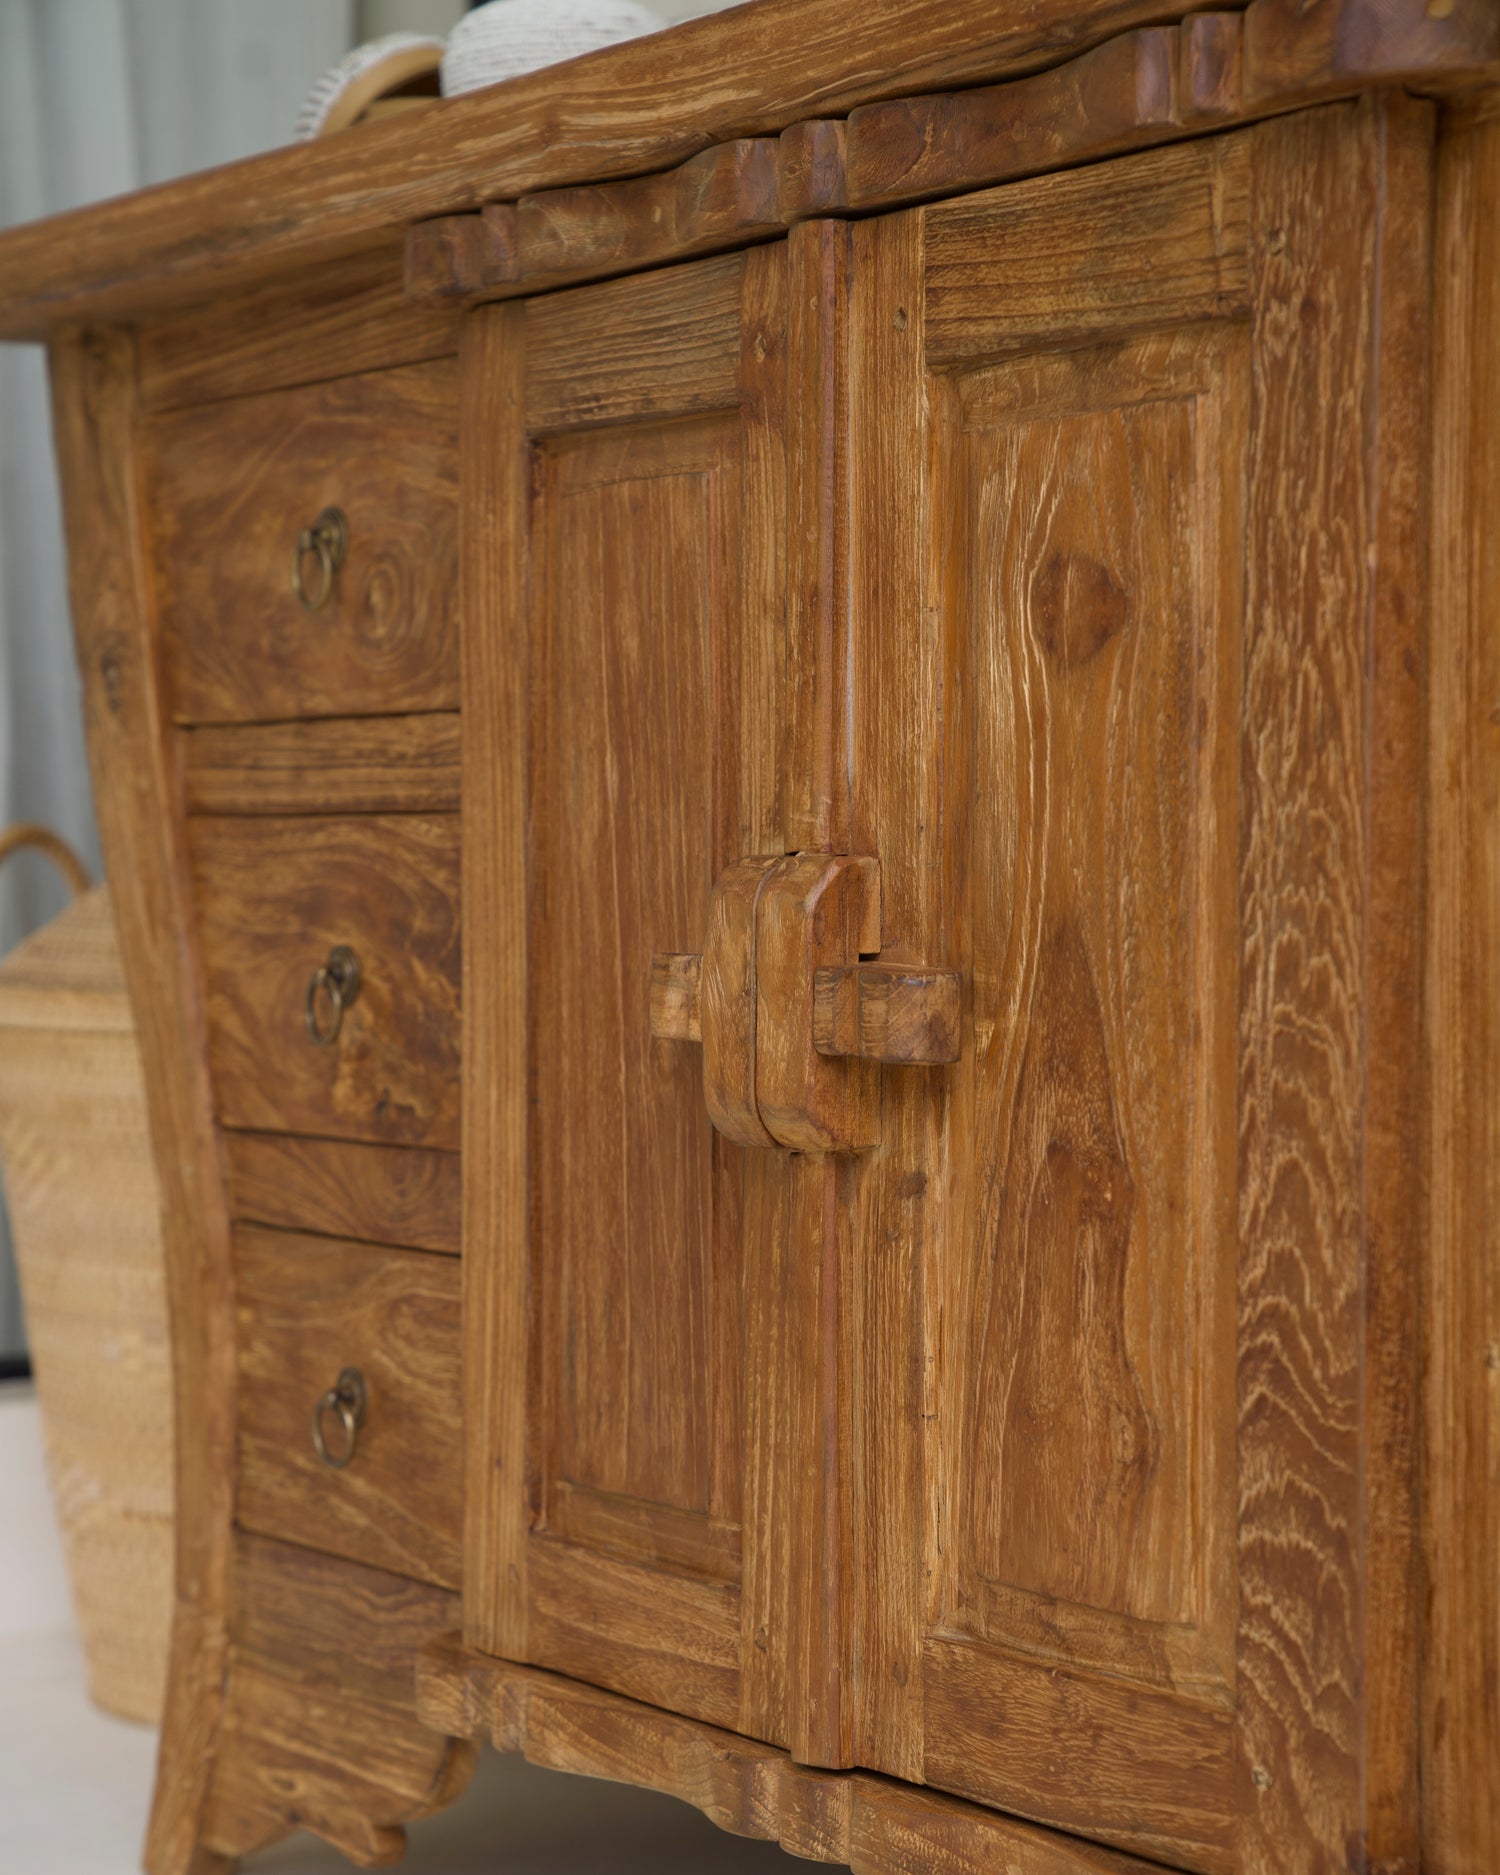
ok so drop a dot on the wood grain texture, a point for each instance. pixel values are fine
(1259, 1487)
(295, 328)
(1138, 89)
(726, 197)
(627, 111)
(1099, 495)
(802, 1569)
(1141, 88)
(874, 1827)
(496, 649)
(1159, 1768)
(886, 1012)
(321, 1729)
(815, 910)
(677, 998)
(810, 170)
(307, 1308)
(1090, 1520)
(1210, 74)
(272, 899)
(233, 485)
(646, 1456)
(896, 678)
(95, 406)
(644, 106)
(1121, 94)
(461, 257)
(723, 198)
(1024, 1561)
(1460, 1679)
(634, 529)
(728, 1003)
(625, 1445)
(377, 1194)
(817, 753)
(1156, 239)
(649, 750)
(1402, 136)
(654, 750)
(803, 1210)
(662, 345)
(668, 1635)
(1148, 87)
(1330, 1006)
(370, 765)
(1300, 53)
(336, 1625)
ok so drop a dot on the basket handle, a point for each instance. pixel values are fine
(26, 834)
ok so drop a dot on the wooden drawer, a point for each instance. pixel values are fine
(394, 1195)
(233, 485)
(308, 1308)
(274, 898)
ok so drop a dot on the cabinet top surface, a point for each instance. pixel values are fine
(644, 106)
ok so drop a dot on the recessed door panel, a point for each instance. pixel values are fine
(635, 807)
(1091, 1264)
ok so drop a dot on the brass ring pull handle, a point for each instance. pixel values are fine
(347, 1397)
(336, 983)
(328, 538)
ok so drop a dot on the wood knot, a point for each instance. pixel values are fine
(1079, 606)
(113, 663)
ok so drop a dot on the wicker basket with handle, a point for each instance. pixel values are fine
(81, 1187)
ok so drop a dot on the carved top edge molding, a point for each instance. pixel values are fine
(639, 108)
(1145, 87)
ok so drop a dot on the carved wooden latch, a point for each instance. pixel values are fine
(792, 1013)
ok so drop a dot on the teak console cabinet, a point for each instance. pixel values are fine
(797, 733)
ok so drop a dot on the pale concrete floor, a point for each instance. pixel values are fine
(75, 1784)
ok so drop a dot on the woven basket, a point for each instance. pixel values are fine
(85, 1209)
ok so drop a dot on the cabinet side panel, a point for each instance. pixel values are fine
(1461, 1510)
(96, 425)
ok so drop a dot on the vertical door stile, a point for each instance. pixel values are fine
(894, 801)
(822, 1190)
(499, 1362)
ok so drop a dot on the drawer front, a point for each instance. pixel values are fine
(276, 898)
(378, 1194)
(233, 487)
(310, 1309)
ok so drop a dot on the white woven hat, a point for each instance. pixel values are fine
(508, 37)
(362, 75)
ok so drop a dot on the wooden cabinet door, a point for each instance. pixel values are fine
(633, 1300)
(1136, 689)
